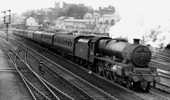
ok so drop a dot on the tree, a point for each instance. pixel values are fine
(69, 10)
(76, 11)
(39, 15)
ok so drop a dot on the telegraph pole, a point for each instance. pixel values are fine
(7, 20)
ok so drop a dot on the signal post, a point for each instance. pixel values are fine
(7, 20)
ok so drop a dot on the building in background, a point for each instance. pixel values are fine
(31, 22)
(97, 22)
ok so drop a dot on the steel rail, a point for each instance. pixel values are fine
(39, 80)
(53, 86)
(21, 76)
(59, 66)
(130, 92)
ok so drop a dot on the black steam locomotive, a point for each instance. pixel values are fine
(115, 59)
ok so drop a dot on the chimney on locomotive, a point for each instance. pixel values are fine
(136, 41)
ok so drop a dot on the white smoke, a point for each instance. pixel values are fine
(139, 17)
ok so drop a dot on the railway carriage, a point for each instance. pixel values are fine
(24, 33)
(19, 32)
(37, 36)
(47, 38)
(64, 43)
(16, 32)
(30, 34)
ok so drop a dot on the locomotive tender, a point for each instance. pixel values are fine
(115, 59)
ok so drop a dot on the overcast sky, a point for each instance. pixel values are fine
(150, 11)
(141, 12)
(136, 14)
(23, 5)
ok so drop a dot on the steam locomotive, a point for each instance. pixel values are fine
(115, 59)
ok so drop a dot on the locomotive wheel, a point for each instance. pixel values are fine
(81, 62)
(77, 60)
(96, 69)
(103, 73)
(115, 77)
(111, 77)
(100, 69)
(130, 84)
(107, 74)
(145, 86)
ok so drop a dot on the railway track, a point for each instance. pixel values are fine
(165, 80)
(164, 74)
(38, 89)
(110, 88)
(35, 95)
(16, 71)
(163, 85)
(65, 81)
(82, 87)
(162, 52)
(160, 65)
(140, 95)
(151, 95)
(161, 60)
(161, 56)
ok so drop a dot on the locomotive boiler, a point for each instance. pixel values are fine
(137, 54)
(126, 63)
